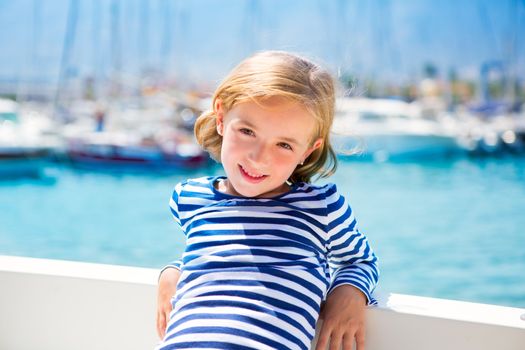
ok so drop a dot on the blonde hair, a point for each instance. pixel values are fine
(275, 73)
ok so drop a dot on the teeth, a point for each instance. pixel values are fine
(252, 175)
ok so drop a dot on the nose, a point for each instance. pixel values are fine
(259, 153)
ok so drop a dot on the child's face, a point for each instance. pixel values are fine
(263, 144)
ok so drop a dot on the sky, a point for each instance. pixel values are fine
(200, 40)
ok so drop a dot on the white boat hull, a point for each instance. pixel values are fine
(385, 129)
(55, 305)
(397, 145)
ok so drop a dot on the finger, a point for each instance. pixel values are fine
(324, 336)
(167, 314)
(161, 324)
(348, 342)
(335, 342)
(360, 340)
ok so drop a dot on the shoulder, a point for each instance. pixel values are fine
(322, 197)
(194, 186)
(320, 192)
(333, 201)
(328, 203)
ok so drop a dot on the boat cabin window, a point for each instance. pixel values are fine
(371, 116)
(8, 116)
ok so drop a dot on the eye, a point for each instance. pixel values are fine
(285, 145)
(247, 131)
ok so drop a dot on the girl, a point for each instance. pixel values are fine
(265, 248)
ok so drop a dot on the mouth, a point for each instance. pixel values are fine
(251, 176)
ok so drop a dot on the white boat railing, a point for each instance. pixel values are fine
(50, 304)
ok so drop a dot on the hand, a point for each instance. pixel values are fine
(343, 317)
(167, 287)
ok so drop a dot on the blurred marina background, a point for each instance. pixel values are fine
(99, 98)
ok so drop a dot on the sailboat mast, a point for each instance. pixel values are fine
(69, 40)
(116, 59)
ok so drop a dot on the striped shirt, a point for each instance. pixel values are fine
(255, 270)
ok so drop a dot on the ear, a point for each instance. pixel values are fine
(219, 116)
(317, 144)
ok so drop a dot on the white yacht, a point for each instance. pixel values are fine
(382, 129)
(23, 147)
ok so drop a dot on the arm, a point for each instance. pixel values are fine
(168, 279)
(355, 277)
(344, 312)
(169, 275)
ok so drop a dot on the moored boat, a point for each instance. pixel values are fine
(23, 149)
(127, 150)
(382, 129)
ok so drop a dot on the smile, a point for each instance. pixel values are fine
(251, 176)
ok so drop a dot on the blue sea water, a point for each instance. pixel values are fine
(453, 228)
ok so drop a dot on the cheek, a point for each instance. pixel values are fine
(229, 142)
(285, 159)
(232, 146)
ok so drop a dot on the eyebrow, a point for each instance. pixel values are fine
(283, 138)
(289, 140)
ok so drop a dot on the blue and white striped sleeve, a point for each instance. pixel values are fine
(177, 264)
(349, 255)
(174, 202)
(174, 208)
